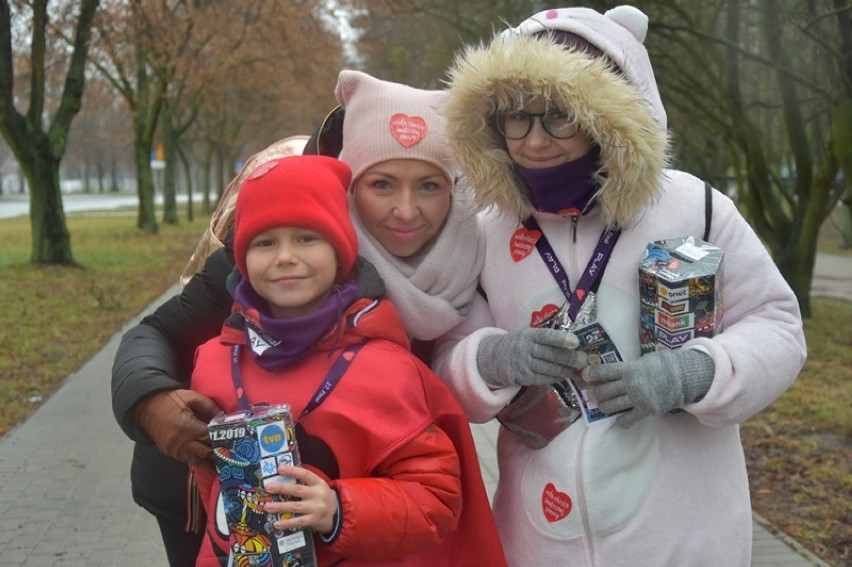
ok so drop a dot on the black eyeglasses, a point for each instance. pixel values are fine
(516, 125)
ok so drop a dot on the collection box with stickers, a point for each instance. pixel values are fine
(248, 447)
(680, 291)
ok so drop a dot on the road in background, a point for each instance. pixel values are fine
(16, 205)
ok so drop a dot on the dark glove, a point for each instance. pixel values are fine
(176, 420)
(528, 357)
(654, 384)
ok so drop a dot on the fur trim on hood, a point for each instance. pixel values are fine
(612, 111)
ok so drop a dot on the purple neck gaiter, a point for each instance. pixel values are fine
(567, 189)
(281, 342)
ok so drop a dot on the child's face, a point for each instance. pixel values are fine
(539, 150)
(292, 268)
(403, 203)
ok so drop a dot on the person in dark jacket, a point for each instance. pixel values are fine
(433, 283)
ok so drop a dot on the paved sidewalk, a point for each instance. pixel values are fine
(65, 488)
(832, 277)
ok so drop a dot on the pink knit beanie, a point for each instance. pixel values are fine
(386, 120)
(304, 191)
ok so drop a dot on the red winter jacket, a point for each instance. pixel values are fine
(390, 438)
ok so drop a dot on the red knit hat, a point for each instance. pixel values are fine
(303, 191)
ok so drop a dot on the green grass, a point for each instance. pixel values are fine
(798, 449)
(823, 392)
(56, 318)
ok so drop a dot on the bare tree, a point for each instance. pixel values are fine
(759, 92)
(757, 88)
(414, 41)
(98, 138)
(138, 43)
(271, 74)
(39, 147)
(227, 69)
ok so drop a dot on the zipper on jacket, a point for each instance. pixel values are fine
(573, 265)
(581, 495)
(578, 471)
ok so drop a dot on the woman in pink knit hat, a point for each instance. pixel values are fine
(415, 225)
(419, 246)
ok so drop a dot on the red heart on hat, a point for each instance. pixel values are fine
(543, 314)
(522, 243)
(555, 505)
(408, 130)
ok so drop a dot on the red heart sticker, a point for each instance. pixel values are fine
(408, 130)
(580, 293)
(348, 356)
(543, 314)
(522, 243)
(555, 505)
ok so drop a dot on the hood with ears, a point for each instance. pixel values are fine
(614, 100)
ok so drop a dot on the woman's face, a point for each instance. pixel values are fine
(540, 150)
(403, 203)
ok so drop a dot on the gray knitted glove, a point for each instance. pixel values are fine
(654, 384)
(529, 356)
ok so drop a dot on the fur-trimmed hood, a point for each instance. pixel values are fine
(617, 107)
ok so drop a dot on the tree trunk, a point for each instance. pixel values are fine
(146, 219)
(845, 224)
(87, 166)
(208, 164)
(169, 135)
(99, 166)
(221, 178)
(187, 173)
(841, 137)
(39, 152)
(51, 242)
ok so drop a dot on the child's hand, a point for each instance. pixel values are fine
(315, 503)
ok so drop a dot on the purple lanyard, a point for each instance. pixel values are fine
(335, 373)
(591, 278)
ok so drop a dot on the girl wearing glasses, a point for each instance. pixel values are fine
(560, 129)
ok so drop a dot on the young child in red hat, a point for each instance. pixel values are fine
(390, 474)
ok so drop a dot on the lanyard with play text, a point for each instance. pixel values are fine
(335, 373)
(591, 278)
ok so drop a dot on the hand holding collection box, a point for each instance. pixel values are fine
(249, 446)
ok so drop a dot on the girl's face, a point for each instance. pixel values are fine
(540, 150)
(403, 203)
(292, 268)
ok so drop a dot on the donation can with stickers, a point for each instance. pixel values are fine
(680, 292)
(248, 447)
